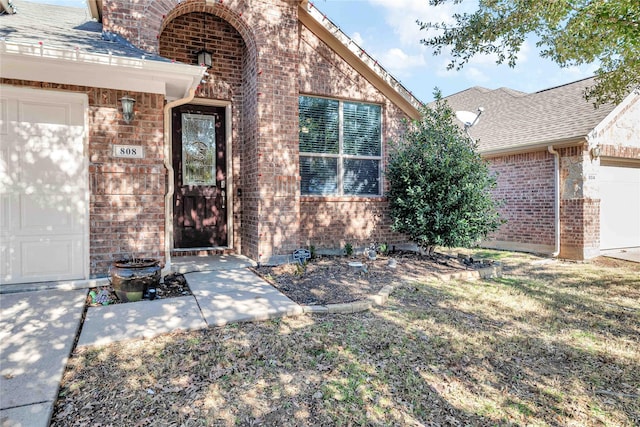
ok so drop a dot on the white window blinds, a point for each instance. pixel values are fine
(340, 147)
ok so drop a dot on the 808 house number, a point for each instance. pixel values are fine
(128, 151)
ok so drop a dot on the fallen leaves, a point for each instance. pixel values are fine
(550, 344)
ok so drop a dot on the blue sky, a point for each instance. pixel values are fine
(386, 29)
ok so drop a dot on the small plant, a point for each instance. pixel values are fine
(348, 249)
(383, 248)
(312, 251)
(300, 268)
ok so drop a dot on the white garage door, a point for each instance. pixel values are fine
(619, 207)
(43, 186)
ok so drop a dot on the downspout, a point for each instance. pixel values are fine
(168, 198)
(556, 204)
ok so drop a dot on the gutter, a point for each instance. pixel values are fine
(556, 204)
(82, 68)
(535, 146)
(168, 164)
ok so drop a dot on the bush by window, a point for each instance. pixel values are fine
(340, 147)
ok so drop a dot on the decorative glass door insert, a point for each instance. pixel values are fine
(198, 149)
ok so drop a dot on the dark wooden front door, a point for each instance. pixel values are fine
(199, 162)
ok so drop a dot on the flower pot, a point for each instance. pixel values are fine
(132, 278)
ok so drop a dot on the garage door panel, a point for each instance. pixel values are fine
(619, 207)
(41, 112)
(6, 177)
(46, 258)
(4, 117)
(7, 250)
(43, 186)
(51, 159)
(48, 213)
(5, 215)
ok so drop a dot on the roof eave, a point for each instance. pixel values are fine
(534, 146)
(389, 87)
(50, 64)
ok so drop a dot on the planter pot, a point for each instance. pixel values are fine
(132, 278)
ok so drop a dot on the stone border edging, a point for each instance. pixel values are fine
(382, 296)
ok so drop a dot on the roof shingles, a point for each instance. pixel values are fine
(513, 119)
(64, 27)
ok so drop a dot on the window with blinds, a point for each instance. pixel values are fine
(340, 147)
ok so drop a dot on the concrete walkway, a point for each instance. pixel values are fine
(37, 333)
(38, 329)
(626, 254)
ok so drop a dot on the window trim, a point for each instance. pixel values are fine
(341, 156)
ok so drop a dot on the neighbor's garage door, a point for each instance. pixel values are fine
(43, 186)
(619, 207)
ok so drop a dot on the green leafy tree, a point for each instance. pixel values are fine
(569, 32)
(439, 186)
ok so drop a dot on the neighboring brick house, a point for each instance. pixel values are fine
(598, 153)
(278, 145)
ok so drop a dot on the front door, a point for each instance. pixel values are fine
(199, 162)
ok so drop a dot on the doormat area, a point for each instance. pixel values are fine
(171, 286)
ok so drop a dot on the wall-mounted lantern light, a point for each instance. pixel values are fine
(595, 152)
(127, 108)
(204, 58)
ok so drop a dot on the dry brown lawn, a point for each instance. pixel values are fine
(549, 344)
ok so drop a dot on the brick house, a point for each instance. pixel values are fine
(276, 145)
(528, 138)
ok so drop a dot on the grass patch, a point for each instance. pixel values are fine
(548, 344)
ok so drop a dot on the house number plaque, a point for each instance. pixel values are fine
(128, 151)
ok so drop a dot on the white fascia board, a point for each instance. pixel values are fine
(534, 146)
(75, 67)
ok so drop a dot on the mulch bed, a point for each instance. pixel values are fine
(324, 279)
(330, 279)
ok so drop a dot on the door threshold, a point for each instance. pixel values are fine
(218, 250)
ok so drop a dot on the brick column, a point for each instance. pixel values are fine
(579, 205)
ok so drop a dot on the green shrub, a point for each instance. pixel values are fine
(439, 187)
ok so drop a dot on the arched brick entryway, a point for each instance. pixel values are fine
(187, 30)
(265, 158)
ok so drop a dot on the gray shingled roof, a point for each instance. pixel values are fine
(512, 119)
(64, 27)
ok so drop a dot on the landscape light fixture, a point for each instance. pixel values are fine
(127, 108)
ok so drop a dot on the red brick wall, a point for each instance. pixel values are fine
(276, 66)
(620, 151)
(526, 189)
(127, 196)
(277, 142)
(265, 127)
(580, 228)
(330, 222)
